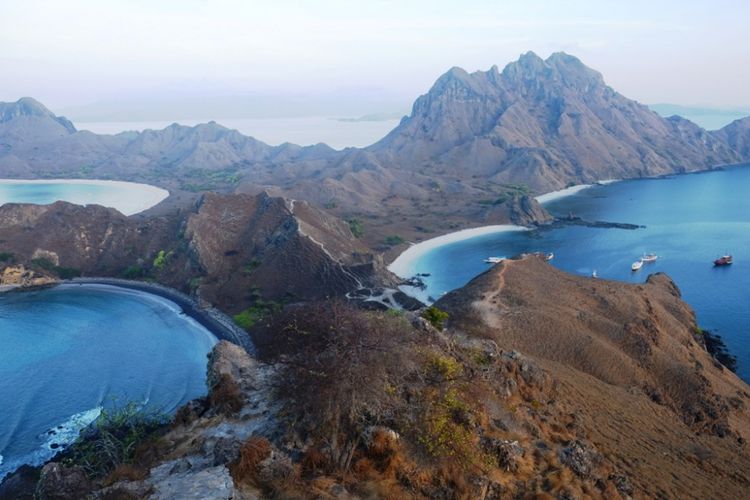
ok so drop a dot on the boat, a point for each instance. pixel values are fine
(637, 265)
(549, 256)
(493, 260)
(593, 274)
(724, 260)
(649, 257)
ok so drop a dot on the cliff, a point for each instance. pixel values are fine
(540, 383)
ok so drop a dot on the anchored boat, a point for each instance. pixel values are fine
(637, 265)
(649, 257)
(493, 260)
(724, 260)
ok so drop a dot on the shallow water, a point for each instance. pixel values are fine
(68, 351)
(127, 197)
(690, 220)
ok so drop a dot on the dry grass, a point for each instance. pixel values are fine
(226, 396)
(253, 451)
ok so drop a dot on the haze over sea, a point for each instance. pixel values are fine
(690, 220)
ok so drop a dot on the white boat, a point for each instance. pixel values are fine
(637, 265)
(649, 257)
(593, 274)
(549, 256)
(493, 260)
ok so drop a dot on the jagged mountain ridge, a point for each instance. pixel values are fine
(463, 153)
(546, 123)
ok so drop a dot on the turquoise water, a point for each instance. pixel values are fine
(127, 197)
(68, 351)
(690, 220)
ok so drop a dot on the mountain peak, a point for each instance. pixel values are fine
(30, 107)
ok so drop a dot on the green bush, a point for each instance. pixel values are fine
(112, 439)
(435, 316)
(133, 272)
(258, 311)
(356, 227)
(393, 240)
(6, 257)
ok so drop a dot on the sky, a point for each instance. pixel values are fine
(125, 59)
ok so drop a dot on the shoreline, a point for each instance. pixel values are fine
(216, 322)
(402, 265)
(152, 195)
(570, 191)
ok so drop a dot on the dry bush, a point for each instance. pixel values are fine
(253, 451)
(125, 472)
(313, 461)
(341, 368)
(226, 396)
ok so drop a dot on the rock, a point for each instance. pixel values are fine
(229, 359)
(622, 483)
(579, 458)
(226, 450)
(59, 482)
(508, 453)
(276, 467)
(47, 255)
(169, 481)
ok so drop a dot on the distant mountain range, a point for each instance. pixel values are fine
(473, 142)
(710, 118)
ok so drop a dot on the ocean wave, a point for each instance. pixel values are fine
(54, 440)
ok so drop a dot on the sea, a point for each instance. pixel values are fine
(72, 351)
(127, 197)
(688, 221)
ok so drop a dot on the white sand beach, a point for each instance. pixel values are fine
(403, 266)
(569, 191)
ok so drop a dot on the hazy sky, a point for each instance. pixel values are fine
(77, 52)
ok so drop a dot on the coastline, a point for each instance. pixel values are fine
(150, 195)
(402, 266)
(215, 321)
(569, 191)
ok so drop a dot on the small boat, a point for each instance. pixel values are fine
(593, 274)
(724, 260)
(649, 257)
(549, 256)
(637, 265)
(493, 260)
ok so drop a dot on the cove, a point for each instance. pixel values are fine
(71, 350)
(127, 197)
(689, 221)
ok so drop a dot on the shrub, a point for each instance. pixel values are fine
(112, 440)
(435, 316)
(393, 240)
(253, 451)
(356, 227)
(337, 361)
(444, 432)
(257, 312)
(161, 259)
(133, 272)
(6, 257)
(443, 367)
(226, 396)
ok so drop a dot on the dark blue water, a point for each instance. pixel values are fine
(71, 350)
(690, 220)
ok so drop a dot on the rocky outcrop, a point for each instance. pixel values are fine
(230, 250)
(19, 276)
(282, 249)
